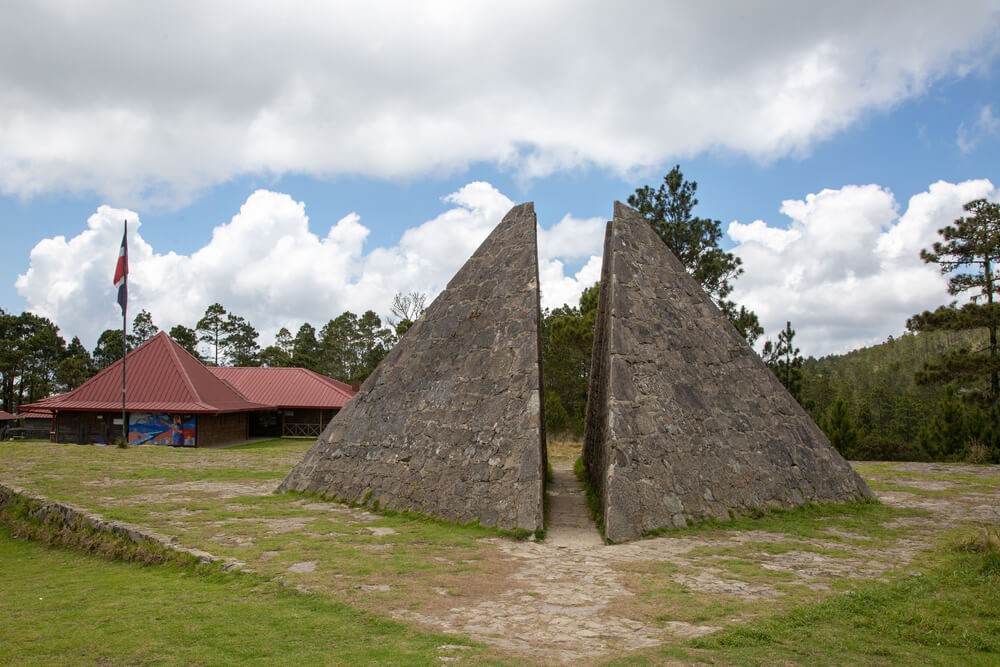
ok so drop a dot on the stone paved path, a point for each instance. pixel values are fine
(555, 606)
(568, 522)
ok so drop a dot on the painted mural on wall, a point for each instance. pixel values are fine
(160, 428)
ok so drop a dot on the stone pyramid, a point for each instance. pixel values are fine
(450, 423)
(684, 421)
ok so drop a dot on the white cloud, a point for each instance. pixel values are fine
(772, 238)
(572, 238)
(560, 289)
(847, 271)
(569, 241)
(188, 95)
(985, 126)
(267, 265)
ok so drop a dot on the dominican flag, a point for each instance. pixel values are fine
(121, 271)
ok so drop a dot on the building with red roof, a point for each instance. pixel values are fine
(172, 398)
(24, 425)
(306, 401)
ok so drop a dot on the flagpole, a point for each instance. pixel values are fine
(124, 336)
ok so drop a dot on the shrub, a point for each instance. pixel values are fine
(977, 452)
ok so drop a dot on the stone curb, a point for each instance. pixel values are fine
(41, 508)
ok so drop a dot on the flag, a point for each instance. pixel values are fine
(121, 271)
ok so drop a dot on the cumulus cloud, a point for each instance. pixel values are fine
(188, 95)
(267, 264)
(569, 242)
(846, 271)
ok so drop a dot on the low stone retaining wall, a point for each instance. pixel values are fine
(44, 511)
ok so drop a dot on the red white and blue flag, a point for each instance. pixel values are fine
(121, 271)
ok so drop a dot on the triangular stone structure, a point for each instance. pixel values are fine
(450, 423)
(684, 421)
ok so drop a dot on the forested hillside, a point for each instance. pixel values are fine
(884, 414)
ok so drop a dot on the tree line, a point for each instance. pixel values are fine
(35, 360)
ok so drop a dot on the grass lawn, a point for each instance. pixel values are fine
(949, 615)
(912, 580)
(61, 608)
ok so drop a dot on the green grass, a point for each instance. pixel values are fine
(822, 606)
(276, 443)
(67, 609)
(593, 500)
(814, 521)
(949, 615)
(195, 495)
(950, 472)
(889, 485)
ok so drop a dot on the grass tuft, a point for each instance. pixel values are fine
(593, 501)
(986, 541)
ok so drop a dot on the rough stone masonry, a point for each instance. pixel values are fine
(684, 421)
(450, 423)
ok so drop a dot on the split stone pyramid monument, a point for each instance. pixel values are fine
(684, 421)
(450, 423)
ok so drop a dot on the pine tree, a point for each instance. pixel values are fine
(186, 338)
(785, 361)
(695, 242)
(109, 349)
(839, 428)
(142, 329)
(970, 252)
(567, 339)
(945, 435)
(76, 366)
(211, 326)
(304, 349)
(239, 341)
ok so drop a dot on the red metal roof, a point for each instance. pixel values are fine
(286, 387)
(5, 416)
(161, 377)
(24, 414)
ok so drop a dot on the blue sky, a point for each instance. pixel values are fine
(830, 144)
